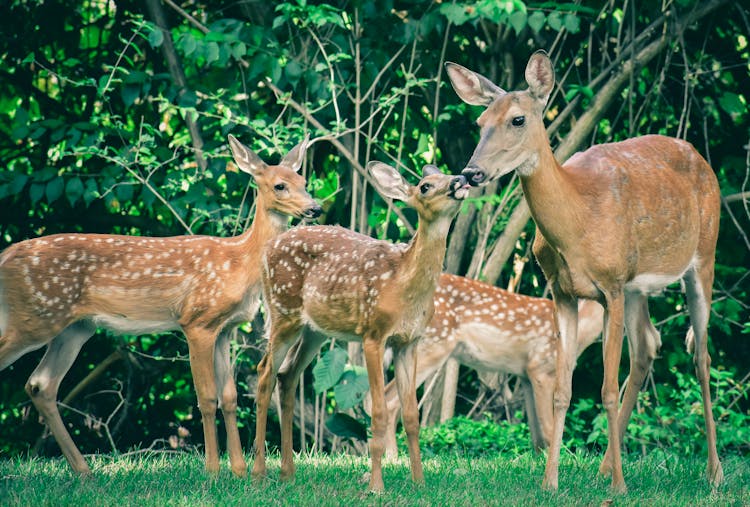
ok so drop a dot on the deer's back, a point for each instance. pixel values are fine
(328, 276)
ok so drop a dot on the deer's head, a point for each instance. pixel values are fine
(436, 195)
(280, 186)
(512, 126)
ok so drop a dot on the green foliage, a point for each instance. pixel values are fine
(671, 418)
(473, 438)
(349, 382)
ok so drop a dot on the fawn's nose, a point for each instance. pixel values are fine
(474, 175)
(313, 211)
(458, 182)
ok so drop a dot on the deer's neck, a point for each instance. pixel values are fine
(423, 260)
(267, 224)
(554, 202)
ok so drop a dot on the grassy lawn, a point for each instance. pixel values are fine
(179, 479)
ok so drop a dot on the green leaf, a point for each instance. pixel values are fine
(518, 20)
(734, 105)
(55, 189)
(456, 13)
(212, 52)
(30, 58)
(156, 37)
(351, 388)
(293, 71)
(91, 192)
(74, 190)
(239, 50)
(129, 93)
(36, 192)
(536, 21)
(328, 369)
(18, 182)
(346, 426)
(555, 21)
(572, 23)
(188, 43)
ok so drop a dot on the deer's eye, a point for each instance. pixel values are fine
(424, 188)
(518, 121)
(279, 187)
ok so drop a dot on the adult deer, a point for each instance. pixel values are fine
(614, 223)
(57, 290)
(343, 284)
(493, 330)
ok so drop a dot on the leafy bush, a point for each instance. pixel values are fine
(671, 417)
(671, 422)
(473, 438)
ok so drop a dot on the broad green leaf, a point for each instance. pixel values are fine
(212, 52)
(346, 426)
(456, 13)
(74, 190)
(36, 191)
(555, 21)
(536, 21)
(351, 388)
(734, 105)
(188, 43)
(518, 21)
(91, 192)
(55, 189)
(572, 23)
(18, 182)
(156, 37)
(328, 369)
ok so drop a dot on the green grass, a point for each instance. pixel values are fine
(179, 479)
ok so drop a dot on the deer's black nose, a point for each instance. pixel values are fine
(313, 212)
(474, 175)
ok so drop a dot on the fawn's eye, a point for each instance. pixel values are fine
(425, 187)
(279, 187)
(518, 121)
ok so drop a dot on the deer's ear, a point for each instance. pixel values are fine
(246, 158)
(471, 87)
(296, 155)
(388, 181)
(430, 169)
(540, 76)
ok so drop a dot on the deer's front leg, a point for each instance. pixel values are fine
(405, 364)
(201, 343)
(566, 313)
(228, 391)
(613, 331)
(373, 349)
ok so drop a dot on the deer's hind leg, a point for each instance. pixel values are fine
(44, 383)
(300, 355)
(227, 391)
(282, 335)
(698, 286)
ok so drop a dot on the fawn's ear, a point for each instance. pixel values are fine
(429, 170)
(471, 87)
(388, 181)
(296, 155)
(540, 76)
(246, 158)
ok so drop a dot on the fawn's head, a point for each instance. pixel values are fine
(512, 126)
(436, 195)
(280, 186)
